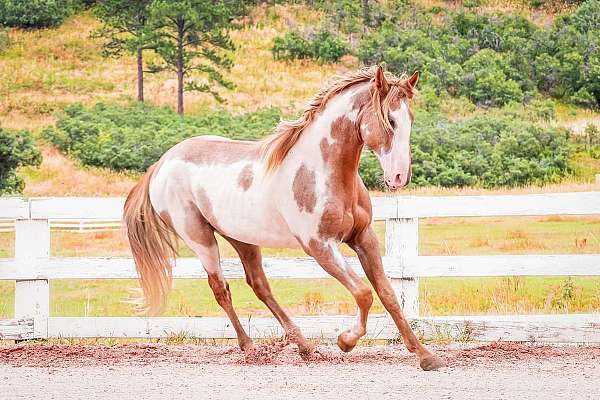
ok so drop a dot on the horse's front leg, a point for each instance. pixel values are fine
(366, 246)
(328, 255)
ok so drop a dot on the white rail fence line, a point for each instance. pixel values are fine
(65, 225)
(32, 268)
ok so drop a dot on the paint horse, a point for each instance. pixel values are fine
(297, 188)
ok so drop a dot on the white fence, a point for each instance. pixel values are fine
(66, 225)
(32, 268)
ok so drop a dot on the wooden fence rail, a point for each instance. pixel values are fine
(33, 267)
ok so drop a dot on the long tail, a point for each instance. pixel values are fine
(152, 244)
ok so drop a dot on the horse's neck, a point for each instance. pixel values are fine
(332, 140)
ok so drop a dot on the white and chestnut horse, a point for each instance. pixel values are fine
(297, 188)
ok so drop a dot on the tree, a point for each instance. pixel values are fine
(125, 28)
(193, 38)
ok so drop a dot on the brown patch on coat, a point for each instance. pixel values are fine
(201, 151)
(396, 103)
(197, 227)
(246, 177)
(166, 217)
(205, 210)
(342, 157)
(362, 98)
(304, 187)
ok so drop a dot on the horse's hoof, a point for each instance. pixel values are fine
(345, 343)
(432, 363)
(247, 346)
(306, 351)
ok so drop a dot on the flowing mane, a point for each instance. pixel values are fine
(275, 147)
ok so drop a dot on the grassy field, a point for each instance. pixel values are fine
(438, 296)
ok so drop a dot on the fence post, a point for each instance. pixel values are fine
(32, 297)
(402, 242)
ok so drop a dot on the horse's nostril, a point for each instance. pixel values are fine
(398, 178)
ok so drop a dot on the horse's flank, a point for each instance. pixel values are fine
(275, 147)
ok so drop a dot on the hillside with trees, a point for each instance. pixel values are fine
(509, 93)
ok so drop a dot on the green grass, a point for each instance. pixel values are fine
(510, 235)
(439, 296)
(509, 295)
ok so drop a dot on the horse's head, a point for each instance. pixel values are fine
(385, 126)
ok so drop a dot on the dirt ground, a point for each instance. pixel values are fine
(158, 371)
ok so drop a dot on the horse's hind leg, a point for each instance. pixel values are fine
(255, 276)
(329, 256)
(199, 235)
(366, 246)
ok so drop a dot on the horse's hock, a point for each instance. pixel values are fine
(33, 267)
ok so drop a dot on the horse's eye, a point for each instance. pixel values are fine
(392, 124)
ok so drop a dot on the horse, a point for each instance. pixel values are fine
(298, 188)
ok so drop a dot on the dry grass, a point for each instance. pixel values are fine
(518, 241)
(509, 295)
(510, 235)
(61, 176)
(44, 70)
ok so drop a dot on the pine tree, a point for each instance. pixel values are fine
(193, 40)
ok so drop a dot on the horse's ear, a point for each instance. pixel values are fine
(414, 78)
(380, 82)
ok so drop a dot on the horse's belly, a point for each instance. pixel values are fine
(254, 224)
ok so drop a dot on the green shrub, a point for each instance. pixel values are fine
(34, 13)
(291, 46)
(566, 59)
(134, 137)
(16, 150)
(589, 141)
(487, 82)
(370, 170)
(489, 151)
(324, 47)
(493, 59)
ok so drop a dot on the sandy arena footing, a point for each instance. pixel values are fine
(156, 371)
